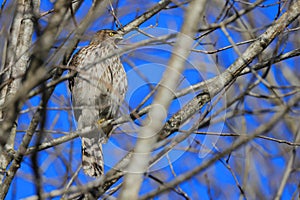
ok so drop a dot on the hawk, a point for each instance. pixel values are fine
(97, 91)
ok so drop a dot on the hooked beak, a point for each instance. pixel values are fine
(118, 38)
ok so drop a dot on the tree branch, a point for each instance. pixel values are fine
(240, 142)
(154, 122)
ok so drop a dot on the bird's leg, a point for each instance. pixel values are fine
(105, 131)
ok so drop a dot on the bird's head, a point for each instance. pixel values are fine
(107, 35)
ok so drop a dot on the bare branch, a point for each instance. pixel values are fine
(148, 133)
(242, 141)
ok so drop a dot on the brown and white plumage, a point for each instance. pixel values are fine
(97, 92)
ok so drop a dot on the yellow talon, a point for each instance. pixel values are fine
(100, 121)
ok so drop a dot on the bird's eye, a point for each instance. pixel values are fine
(111, 34)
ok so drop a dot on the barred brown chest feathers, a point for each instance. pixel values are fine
(98, 90)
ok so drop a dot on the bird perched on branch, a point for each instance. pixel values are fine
(97, 91)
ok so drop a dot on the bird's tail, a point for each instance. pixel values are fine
(92, 157)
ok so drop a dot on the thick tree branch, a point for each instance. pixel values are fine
(241, 141)
(148, 133)
(36, 70)
(17, 59)
(215, 85)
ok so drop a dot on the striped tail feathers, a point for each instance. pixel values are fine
(92, 157)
